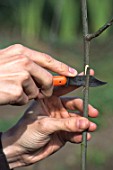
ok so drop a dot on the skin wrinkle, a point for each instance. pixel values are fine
(48, 132)
(49, 60)
(46, 122)
(55, 108)
(28, 64)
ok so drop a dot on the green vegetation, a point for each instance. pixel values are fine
(97, 158)
(54, 26)
(52, 20)
(5, 124)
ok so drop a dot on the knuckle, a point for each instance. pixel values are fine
(18, 93)
(18, 47)
(28, 160)
(48, 81)
(25, 75)
(83, 123)
(48, 58)
(62, 67)
(67, 125)
(26, 62)
(47, 87)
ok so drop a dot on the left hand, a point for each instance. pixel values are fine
(44, 128)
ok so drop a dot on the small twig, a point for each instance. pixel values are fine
(89, 37)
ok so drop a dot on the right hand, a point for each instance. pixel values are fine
(23, 74)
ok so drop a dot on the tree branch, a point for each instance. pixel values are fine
(87, 70)
(89, 37)
(84, 137)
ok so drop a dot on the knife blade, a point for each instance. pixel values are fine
(76, 81)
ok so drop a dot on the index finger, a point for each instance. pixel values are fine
(41, 59)
(49, 62)
(73, 103)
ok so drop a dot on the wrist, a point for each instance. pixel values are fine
(11, 151)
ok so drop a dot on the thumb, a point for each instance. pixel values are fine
(72, 124)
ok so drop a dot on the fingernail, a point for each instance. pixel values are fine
(72, 71)
(82, 124)
(96, 111)
(93, 125)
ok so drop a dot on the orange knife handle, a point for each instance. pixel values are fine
(59, 80)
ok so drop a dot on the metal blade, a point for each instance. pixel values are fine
(80, 81)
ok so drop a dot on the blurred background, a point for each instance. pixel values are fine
(54, 27)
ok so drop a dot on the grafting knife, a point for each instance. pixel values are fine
(76, 81)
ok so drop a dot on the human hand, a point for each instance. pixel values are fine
(24, 75)
(44, 128)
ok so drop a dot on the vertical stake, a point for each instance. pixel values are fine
(86, 88)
